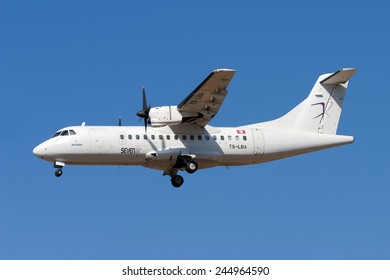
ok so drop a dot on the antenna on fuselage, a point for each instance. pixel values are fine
(120, 121)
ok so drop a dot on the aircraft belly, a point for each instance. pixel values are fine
(237, 153)
(299, 143)
(103, 159)
(233, 160)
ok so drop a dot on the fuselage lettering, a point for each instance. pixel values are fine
(127, 151)
(238, 147)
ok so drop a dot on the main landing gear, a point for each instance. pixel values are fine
(182, 163)
(177, 181)
(191, 166)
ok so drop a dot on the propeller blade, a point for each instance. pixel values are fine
(146, 125)
(145, 105)
(145, 109)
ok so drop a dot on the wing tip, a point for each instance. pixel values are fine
(224, 70)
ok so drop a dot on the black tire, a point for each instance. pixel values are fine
(177, 181)
(58, 172)
(191, 166)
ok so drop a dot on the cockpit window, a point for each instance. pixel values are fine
(56, 134)
(64, 133)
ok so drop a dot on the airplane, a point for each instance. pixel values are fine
(179, 138)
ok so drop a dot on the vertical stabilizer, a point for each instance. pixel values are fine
(320, 111)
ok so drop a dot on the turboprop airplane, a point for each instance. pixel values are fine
(179, 138)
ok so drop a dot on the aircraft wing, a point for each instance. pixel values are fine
(203, 103)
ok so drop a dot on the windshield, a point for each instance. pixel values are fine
(64, 133)
(56, 134)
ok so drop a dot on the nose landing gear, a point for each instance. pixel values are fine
(59, 166)
(58, 172)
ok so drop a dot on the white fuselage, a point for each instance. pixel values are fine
(180, 139)
(158, 148)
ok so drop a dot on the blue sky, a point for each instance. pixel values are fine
(62, 63)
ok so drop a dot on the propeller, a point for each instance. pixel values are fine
(145, 110)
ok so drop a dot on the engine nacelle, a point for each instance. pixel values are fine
(165, 115)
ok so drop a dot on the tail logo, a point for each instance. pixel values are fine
(323, 109)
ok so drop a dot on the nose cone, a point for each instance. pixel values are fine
(40, 151)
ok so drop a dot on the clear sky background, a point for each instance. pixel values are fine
(65, 62)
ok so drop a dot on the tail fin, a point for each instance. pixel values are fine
(320, 111)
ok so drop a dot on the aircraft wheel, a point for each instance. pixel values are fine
(191, 166)
(177, 181)
(58, 172)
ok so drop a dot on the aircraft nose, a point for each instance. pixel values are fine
(40, 151)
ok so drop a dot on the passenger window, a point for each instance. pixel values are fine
(153, 137)
(222, 137)
(65, 133)
(214, 137)
(145, 137)
(129, 136)
(168, 137)
(176, 137)
(207, 137)
(122, 137)
(192, 137)
(72, 132)
(184, 137)
(244, 137)
(160, 137)
(199, 137)
(230, 138)
(237, 137)
(137, 137)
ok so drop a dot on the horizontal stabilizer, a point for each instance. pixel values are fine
(339, 77)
